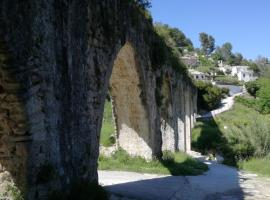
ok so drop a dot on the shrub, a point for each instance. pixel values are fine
(252, 140)
(252, 88)
(227, 80)
(261, 90)
(209, 96)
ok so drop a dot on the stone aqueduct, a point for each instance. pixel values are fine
(57, 61)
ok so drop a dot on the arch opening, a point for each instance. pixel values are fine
(129, 119)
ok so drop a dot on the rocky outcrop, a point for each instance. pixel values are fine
(61, 57)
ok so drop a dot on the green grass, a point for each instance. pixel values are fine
(107, 130)
(258, 165)
(175, 164)
(239, 134)
(227, 80)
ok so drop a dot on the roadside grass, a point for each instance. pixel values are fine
(227, 80)
(239, 134)
(172, 163)
(260, 166)
(107, 130)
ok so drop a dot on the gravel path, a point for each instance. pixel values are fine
(219, 183)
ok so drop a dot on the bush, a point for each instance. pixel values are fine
(251, 140)
(252, 88)
(209, 96)
(239, 134)
(227, 80)
(261, 90)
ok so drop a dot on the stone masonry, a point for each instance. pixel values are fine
(57, 60)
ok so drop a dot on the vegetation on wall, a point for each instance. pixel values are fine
(174, 38)
(168, 46)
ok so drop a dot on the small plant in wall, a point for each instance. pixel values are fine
(12, 193)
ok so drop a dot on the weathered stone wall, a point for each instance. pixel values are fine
(61, 56)
(131, 114)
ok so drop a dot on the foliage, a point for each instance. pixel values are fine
(257, 165)
(207, 43)
(261, 90)
(263, 64)
(144, 3)
(227, 80)
(206, 62)
(254, 137)
(223, 53)
(107, 130)
(239, 134)
(252, 87)
(12, 192)
(209, 96)
(171, 163)
(163, 54)
(174, 38)
(206, 136)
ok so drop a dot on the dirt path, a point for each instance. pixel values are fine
(226, 104)
(219, 183)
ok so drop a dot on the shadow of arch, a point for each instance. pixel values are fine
(14, 134)
(133, 132)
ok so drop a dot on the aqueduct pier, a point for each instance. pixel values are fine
(57, 61)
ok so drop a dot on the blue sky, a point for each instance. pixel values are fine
(244, 23)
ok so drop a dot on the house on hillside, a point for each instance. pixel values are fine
(198, 75)
(243, 73)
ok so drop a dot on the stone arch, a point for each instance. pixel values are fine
(14, 133)
(129, 108)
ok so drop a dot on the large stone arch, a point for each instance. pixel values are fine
(130, 112)
(64, 53)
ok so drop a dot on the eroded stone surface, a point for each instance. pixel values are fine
(62, 54)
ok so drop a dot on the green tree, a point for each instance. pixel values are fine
(174, 38)
(207, 43)
(144, 3)
(204, 42)
(209, 96)
(224, 53)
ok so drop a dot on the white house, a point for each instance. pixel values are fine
(198, 75)
(243, 73)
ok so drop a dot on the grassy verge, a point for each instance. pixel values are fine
(227, 80)
(258, 165)
(175, 164)
(107, 130)
(239, 134)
